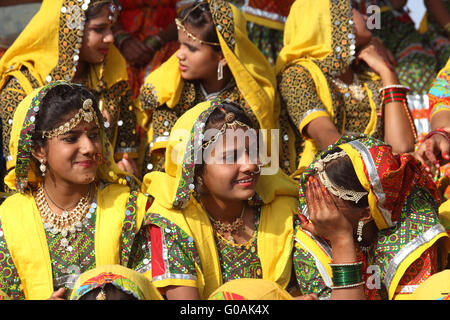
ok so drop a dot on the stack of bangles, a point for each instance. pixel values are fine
(397, 93)
(153, 42)
(441, 132)
(346, 275)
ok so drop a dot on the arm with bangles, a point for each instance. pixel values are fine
(399, 129)
(327, 222)
(140, 53)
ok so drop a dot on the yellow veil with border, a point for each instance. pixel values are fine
(172, 191)
(252, 72)
(320, 36)
(126, 279)
(19, 214)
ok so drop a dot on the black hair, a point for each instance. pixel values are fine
(341, 173)
(111, 291)
(94, 9)
(59, 102)
(216, 120)
(201, 18)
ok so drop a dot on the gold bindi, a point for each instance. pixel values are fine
(86, 113)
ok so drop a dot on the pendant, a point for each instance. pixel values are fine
(65, 214)
(64, 242)
(231, 239)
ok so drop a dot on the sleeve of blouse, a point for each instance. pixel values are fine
(126, 139)
(10, 97)
(174, 256)
(299, 96)
(10, 283)
(439, 96)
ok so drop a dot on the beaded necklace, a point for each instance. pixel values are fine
(65, 223)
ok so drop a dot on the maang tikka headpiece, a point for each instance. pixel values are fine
(180, 26)
(342, 193)
(86, 113)
(230, 122)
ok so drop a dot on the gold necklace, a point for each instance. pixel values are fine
(66, 223)
(223, 228)
(355, 89)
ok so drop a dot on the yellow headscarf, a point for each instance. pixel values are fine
(172, 191)
(251, 70)
(250, 289)
(49, 48)
(320, 36)
(127, 280)
(20, 146)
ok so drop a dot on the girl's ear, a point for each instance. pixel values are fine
(366, 216)
(39, 153)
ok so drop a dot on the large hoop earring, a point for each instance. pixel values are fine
(43, 167)
(220, 70)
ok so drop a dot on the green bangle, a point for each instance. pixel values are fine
(120, 38)
(153, 42)
(447, 28)
(346, 275)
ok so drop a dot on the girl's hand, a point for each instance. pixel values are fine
(57, 295)
(326, 219)
(377, 57)
(433, 153)
(127, 164)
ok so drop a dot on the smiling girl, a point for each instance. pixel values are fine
(215, 60)
(71, 41)
(74, 209)
(218, 219)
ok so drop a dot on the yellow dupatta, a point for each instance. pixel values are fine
(252, 72)
(173, 200)
(319, 36)
(49, 48)
(19, 215)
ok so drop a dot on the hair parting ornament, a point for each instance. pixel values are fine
(180, 26)
(230, 122)
(86, 113)
(342, 193)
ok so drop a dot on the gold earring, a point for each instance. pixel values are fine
(43, 167)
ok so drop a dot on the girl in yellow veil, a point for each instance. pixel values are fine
(215, 60)
(74, 208)
(325, 92)
(72, 41)
(220, 218)
(389, 205)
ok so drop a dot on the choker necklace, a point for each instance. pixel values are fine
(222, 227)
(65, 223)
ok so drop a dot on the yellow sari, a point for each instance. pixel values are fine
(119, 213)
(48, 50)
(319, 42)
(254, 88)
(175, 202)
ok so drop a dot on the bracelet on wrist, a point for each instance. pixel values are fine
(120, 38)
(395, 86)
(346, 275)
(439, 131)
(153, 42)
(397, 93)
(447, 28)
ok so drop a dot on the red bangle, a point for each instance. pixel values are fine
(440, 131)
